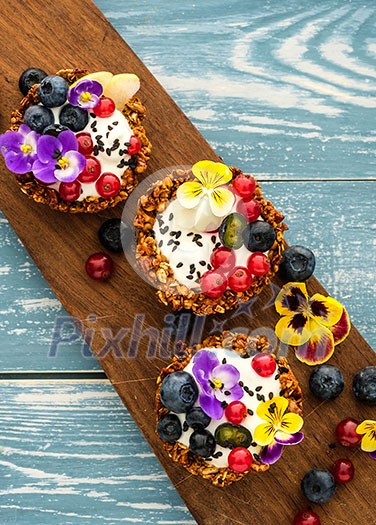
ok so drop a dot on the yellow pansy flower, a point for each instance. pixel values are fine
(279, 424)
(368, 443)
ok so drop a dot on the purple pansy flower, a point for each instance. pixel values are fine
(218, 382)
(273, 452)
(85, 94)
(19, 149)
(58, 158)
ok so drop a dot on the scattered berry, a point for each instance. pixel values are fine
(231, 436)
(364, 385)
(114, 235)
(346, 433)
(135, 145)
(73, 117)
(169, 428)
(213, 284)
(53, 91)
(244, 185)
(54, 130)
(202, 443)
(306, 517)
(223, 259)
(298, 263)
(343, 470)
(240, 279)
(91, 172)
(236, 412)
(99, 266)
(326, 382)
(196, 418)
(85, 143)
(108, 185)
(240, 459)
(259, 236)
(70, 191)
(231, 231)
(318, 485)
(31, 76)
(38, 118)
(264, 364)
(105, 107)
(258, 264)
(250, 208)
(179, 392)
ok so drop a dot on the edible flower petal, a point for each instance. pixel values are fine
(277, 420)
(85, 94)
(368, 443)
(19, 149)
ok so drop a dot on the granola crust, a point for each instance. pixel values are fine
(243, 345)
(134, 111)
(156, 266)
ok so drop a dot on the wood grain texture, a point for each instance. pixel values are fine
(117, 302)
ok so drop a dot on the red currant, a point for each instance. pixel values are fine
(92, 170)
(346, 433)
(240, 279)
(70, 191)
(105, 107)
(135, 145)
(108, 185)
(258, 263)
(99, 266)
(264, 364)
(223, 258)
(306, 517)
(240, 459)
(343, 470)
(213, 284)
(235, 412)
(250, 208)
(85, 143)
(244, 185)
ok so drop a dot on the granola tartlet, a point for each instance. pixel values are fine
(187, 235)
(221, 405)
(102, 150)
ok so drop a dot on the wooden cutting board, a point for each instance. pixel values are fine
(53, 35)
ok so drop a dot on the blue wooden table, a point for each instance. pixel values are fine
(284, 90)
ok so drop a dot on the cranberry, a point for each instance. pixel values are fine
(244, 185)
(108, 185)
(85, 143)
(250, 208)
(346, 433)
(235, 412)
(213, 284)
(240, 459)
(343, 470)
(258, 263)
(135, 145)
(223, 258)
(70, 191)
(92, 170)
(240, 279)
(99, 266)
(264, 364)
(105, 107)
(306, 517)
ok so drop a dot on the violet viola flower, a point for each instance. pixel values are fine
(218, 382)
(273, 452)
(85, 94)
(19, 149)
(58, 158)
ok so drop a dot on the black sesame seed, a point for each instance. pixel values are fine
(227, 393)
(115, 123)
(108, 152)
(258, 388)
(241, 383)
(277, 376)
(224, 361)
(93, 115)
(164, 230)
(189, 234)
(271, 395)
(160, 244)
(254, 444)
(224, 404)
(190, 277)
(218, 454)
(250, 412)
(174, 248)
(171, 216)
(185, 426)
(203, 263)
(179, 265)
(213, 239)
(178, 234)
(199, 244)
(171, 241)
(283, 370)
(257, 457)
(110, 128)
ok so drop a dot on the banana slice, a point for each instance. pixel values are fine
(121, 88)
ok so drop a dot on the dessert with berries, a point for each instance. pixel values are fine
(228, 407)
(207, 238)
(76, 142)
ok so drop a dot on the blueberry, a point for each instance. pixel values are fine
(298, 263)
(318, 485)
(179, 392)
(31, 76)
(54, 130)
(169, 427)
(326, 382)
(38, 118)
(196, 418)
(364, 385)
(53, 91)
(202, 443)
(114, 234)
(73, 117)
(231, 231)
(259, 236)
